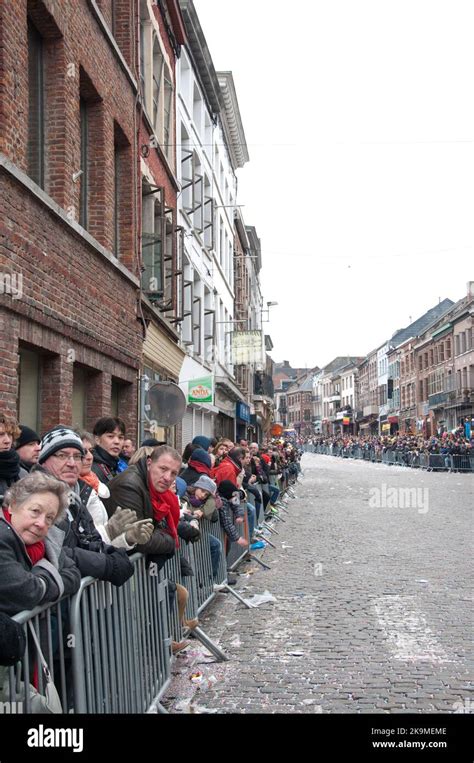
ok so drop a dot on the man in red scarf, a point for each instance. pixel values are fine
(145, 488)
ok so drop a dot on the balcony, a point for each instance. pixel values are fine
(371, 410)
(435, 401)
(334, 398)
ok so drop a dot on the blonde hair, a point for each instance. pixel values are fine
(10, 426)
(145, 450)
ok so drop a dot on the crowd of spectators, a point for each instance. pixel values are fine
(76, 504)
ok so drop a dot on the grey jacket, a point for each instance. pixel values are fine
(24, 585)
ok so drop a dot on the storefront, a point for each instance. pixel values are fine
(242, 421)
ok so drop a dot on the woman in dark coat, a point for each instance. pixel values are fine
(10, 469)
(34, 569)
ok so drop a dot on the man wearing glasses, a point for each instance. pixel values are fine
(61, 455)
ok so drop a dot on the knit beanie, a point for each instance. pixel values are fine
(205, 483)
(58, 438)
(27, 435)
(204, 442)
(202, 457)
(227, 488)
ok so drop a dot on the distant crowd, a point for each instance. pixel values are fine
(446, 444)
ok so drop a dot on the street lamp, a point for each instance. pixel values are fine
(267, 311)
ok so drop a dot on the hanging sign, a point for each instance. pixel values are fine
(201, 390)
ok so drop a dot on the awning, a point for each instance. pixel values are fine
(230, 389)
(392, 419)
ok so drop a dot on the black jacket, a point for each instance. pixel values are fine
(84, 544)
(24, 585)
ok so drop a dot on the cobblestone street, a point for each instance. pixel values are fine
(373, 610)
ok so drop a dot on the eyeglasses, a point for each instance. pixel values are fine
(67, 456)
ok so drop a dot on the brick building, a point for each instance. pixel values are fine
(71, 338)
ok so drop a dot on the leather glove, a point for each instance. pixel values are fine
(139, 532)
(118, 522)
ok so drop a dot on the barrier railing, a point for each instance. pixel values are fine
(121, 655)
(16, 689)
(430, 461)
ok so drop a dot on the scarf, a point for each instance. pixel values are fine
(102, 457)
(9, 465)
(91, 479)
(198, 466)
(195, 502)
(165, 507)
(35, 551)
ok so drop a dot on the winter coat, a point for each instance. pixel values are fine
(84, 545)
(10, 472)
(227, 514)
(190, 476)
(208, 508)
(24, 585)
(105, 467)
(130, 491)
(227, 470)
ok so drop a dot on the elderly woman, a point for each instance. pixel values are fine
(34, 569)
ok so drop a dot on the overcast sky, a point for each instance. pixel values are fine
(359, 120)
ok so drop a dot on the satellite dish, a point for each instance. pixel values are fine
(166, 403)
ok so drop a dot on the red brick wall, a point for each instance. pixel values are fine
(75, 305)
(64, 57)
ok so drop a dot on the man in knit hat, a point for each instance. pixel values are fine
(61, 455)
(28, 448)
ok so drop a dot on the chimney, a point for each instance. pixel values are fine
(470, 289)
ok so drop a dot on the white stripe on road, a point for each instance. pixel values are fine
(407, 632)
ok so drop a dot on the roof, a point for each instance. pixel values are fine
(418, 326)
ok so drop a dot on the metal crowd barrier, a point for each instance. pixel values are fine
(431, 461)
(121, 655)
(49, 622)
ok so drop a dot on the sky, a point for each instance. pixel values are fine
(359, 122)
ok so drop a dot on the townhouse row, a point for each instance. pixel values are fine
(420, 381)
(124, 258)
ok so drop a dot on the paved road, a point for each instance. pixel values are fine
(373, 582)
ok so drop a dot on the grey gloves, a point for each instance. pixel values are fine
(118, 522)
(139, 532)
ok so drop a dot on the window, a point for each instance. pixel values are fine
(448, 348)
(116, 199)
(441, 352)
(84, 192)
(456, 344)
(79, 397)
(122, 162)
(36, 116)
(29, 398)
(420, 362)
(160, 275)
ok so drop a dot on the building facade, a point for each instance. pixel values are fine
(72, 333)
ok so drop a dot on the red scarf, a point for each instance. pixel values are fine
(199, 467)
(165, 506)
(35, 551)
